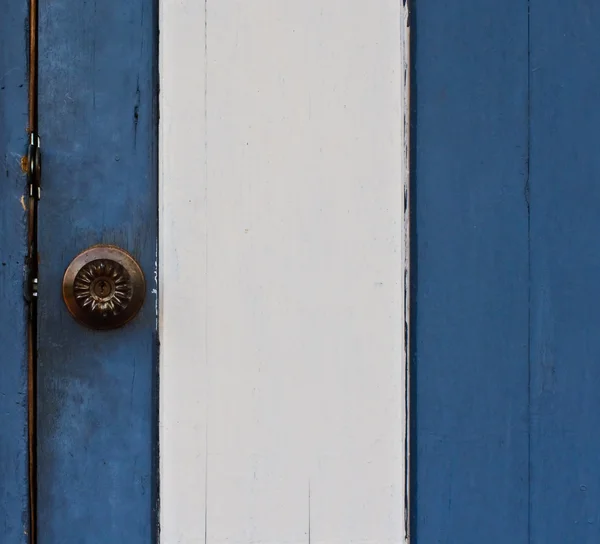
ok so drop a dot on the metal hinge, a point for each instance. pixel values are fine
(34, 175)
(34, 160)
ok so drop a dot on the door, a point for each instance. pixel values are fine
(506, 350)
(96, 389)
(283, 250)
(90, 475)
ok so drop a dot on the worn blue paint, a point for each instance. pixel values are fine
(14, 516)
(470, 260)
(506, 313)
(565, 272)
(96, 405)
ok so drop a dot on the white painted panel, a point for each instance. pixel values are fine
(282, 271)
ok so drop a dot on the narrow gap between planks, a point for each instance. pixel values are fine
(32, 264)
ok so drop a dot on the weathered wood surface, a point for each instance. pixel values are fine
(565, 271)
(14, 512)
(469, 273)
(282, 272)
(96, 409)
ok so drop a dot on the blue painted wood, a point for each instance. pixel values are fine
(96, 404)
(469, 368)
(565, 272)
(14, 513)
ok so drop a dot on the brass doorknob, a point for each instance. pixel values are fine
(104, 287)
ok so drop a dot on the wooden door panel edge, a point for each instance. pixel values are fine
(283, 249)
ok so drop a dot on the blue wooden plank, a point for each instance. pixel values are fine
(565, 271)
(469, 368)
(14, 516)
(96, 405)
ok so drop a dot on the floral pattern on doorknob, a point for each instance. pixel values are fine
(103, 287)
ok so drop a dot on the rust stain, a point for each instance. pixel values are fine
(24, 164)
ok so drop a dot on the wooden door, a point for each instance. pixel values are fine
(90, 475)
(506, 351)
(282, 271)
(96, 410)
(283, 237)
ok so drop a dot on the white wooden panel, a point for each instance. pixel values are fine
(282, 271)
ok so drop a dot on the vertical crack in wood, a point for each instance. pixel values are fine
(33, 64)
(33, 266)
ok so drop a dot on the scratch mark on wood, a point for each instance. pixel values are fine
(94, 61)
(136, 112)
(132, 386)
(206, 486)
(309, 530)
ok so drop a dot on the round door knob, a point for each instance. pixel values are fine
(104, 287)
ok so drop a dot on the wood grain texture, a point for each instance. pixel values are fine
(469, 110)
(96, 411)
(14, 515)
(565, 272)
(282, 272)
